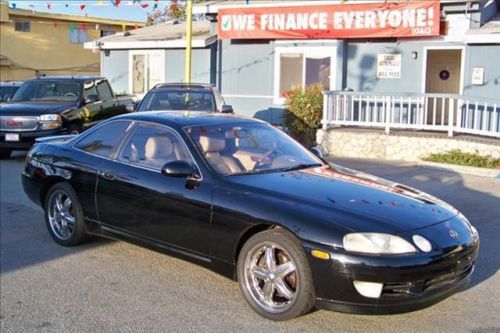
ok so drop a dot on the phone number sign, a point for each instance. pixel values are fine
(389, 66)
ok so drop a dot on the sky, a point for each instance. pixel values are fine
(126, 10)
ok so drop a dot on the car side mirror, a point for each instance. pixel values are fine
(131, 107)
(316, 151)
(178, 169)
(227, 109)
(91, 99)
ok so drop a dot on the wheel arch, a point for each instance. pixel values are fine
(252, 231)
(47, 184)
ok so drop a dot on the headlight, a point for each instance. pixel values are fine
(48, 121)
(472, 230)
(377, 244)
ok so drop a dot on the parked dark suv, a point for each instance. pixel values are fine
(56, 105)
(184, 96)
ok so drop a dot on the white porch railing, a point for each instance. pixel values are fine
(429, 112)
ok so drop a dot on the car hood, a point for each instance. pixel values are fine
(35, 108)
(382, 204)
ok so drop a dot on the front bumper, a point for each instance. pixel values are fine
(26, 139)
(409, 282)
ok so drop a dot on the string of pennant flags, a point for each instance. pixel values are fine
(48, 5)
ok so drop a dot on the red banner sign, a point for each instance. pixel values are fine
(368, 20)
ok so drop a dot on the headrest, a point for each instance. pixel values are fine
(211, 144)
(158, 147)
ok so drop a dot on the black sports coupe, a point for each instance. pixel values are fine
(240, 197)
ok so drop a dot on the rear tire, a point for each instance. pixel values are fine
(64, 216)
(274, 275)
(5, 153)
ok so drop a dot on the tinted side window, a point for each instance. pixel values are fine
(105, 140)
(89, 89)
(104, 91)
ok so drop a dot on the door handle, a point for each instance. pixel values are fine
(108, 176)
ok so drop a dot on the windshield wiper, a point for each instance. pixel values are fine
(292, 168)
(253, 172)
(301, 166)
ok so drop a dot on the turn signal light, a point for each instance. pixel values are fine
(320, 254)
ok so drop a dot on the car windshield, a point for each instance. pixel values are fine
(48, 90)
(178, 99)
(250, 148)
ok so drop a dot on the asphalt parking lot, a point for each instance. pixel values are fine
(108, 286)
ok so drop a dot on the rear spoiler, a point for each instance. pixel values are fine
(55, 138)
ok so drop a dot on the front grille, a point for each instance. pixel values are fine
(18, 123)
(447, 279)
(419, 287)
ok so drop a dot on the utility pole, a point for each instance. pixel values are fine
(189, 27)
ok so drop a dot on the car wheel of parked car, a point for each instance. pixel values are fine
(5, 153)
(274, 275)
(64, 216)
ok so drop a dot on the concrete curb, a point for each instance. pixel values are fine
(467, 170)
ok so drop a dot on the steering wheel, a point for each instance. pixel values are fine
(69, 94)
(262, 161)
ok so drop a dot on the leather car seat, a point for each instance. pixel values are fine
(159, 150)
(212, 148)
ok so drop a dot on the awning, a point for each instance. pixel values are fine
(160, 36)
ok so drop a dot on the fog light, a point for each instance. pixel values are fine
(422, 243)
(369, 289)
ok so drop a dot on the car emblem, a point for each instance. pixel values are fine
(14, 123)
(453, 234)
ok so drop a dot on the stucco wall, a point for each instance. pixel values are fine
(46, 47)
(400, 146)
(487, 56)
(245, 78)
(200, 65)
(115, 67)
(361, 71)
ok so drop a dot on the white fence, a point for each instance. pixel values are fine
(429, 112)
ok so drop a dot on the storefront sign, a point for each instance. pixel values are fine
(478, 76)
(389, 66)
(367, 20)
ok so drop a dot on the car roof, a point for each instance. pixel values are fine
(188, 118)
(69, 77)
(182, 85)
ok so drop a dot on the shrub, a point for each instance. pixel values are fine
(461, 158)
(303, 113)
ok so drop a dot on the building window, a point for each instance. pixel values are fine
(24, 26)
(78, 36)
(302, 67)
(105, 33)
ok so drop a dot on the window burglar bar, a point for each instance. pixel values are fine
(428, 112)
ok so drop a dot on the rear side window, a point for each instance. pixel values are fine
(105, 140)
(104, 91)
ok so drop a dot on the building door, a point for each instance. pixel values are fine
(146, 70)
(443, 76)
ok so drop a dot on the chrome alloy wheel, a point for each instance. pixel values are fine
(271, 277)
(61, 215)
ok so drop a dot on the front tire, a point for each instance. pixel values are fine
(5, 153)
(274, 275)
(64, 216)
